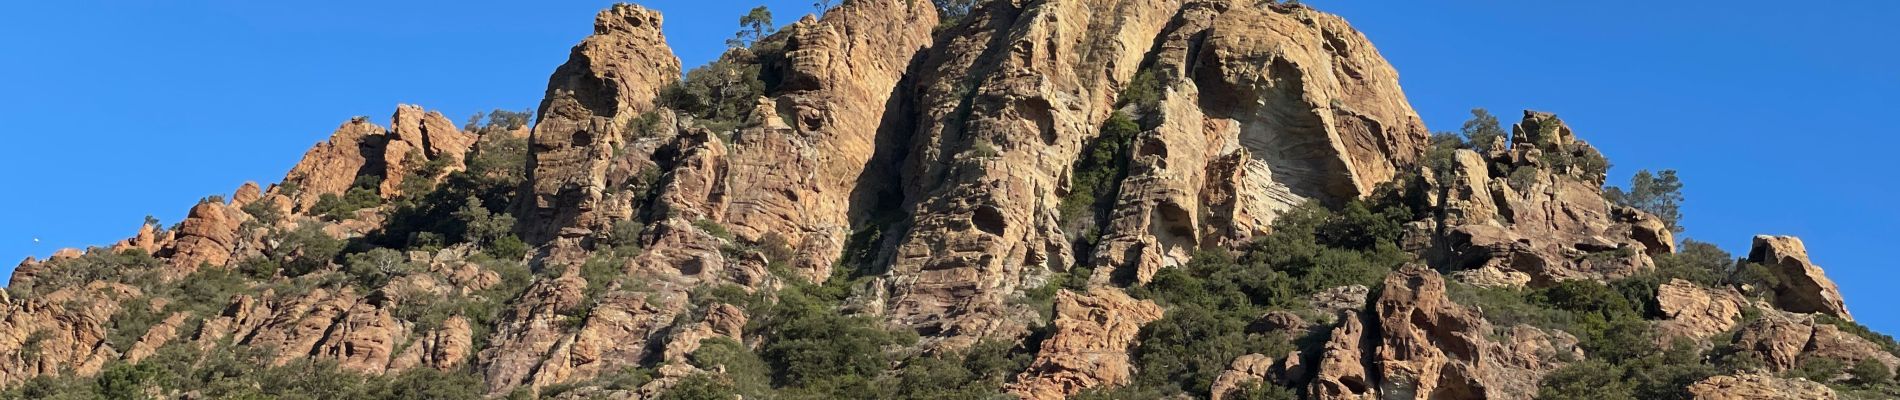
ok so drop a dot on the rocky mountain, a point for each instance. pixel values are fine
(1048, 199)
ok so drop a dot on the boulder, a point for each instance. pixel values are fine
(1695, 313)
(1247, 370)
(1089, 348)
(1803, 287)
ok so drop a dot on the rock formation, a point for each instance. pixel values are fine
(1027, 174)
(1421, 345)
(609, 79)
(1694, 313)
(1759, 387)
(1786, 340)
(1534, 215)
(1803, 286)
(1090, 346)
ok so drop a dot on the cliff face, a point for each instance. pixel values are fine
(1025, 177)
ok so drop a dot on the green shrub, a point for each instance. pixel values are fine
(1695, 261)
(811, 344)
(1667, 374)
(1482, 130)
(1098, 173)
(1213, 299)
(1144, 91)
(1522, 178)
(1871, 372)
(983, 149)
(304, 250)
(1586, 380)
(1441, 156)
(372, 269)
(362, 194)
(720, 94)
(131, 266)
(1659, 194)
(745, 373)
(1818, 369)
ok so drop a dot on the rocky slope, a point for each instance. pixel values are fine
(868, 201)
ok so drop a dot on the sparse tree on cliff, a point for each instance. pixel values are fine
(1482, 130)
(1658, 193)
(755, 25)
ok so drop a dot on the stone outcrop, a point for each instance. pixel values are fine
(1254, 369)
(361, 151)
(609, 79)
(1803, 287)
(810, 171)
(331, 167)
(158, 336)
(416, 139)
(206, 237)
(61, 331)
(1090, 346)
(1757, 386)
(1342, 372)
(1534, 214)
(1786, 340)
(721, 320)
(934, 165)
(1285, 104)
(1261, 109)
(1421, 345)
(1695, 313)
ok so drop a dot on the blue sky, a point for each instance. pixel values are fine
(1774, 112)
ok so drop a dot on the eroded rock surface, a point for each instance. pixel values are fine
(1759, 387)
(1090, 346)
(1534, 214)
(1421, 345)
(1694, 313)
(609, 79)
(1803, 288)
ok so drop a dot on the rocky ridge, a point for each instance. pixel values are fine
(921, 166)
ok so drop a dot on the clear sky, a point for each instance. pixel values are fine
(1776, 113)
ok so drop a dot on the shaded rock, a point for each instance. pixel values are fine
(1803, 287)
(363, 339)
(1279, 321)
(517, 347)
(1829, 342)
(416, 139)
(302, 324)
(721, 320)
(1336, 301)
(1427, 347)
(1342, 372)
(331, 167)
(60, 331)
